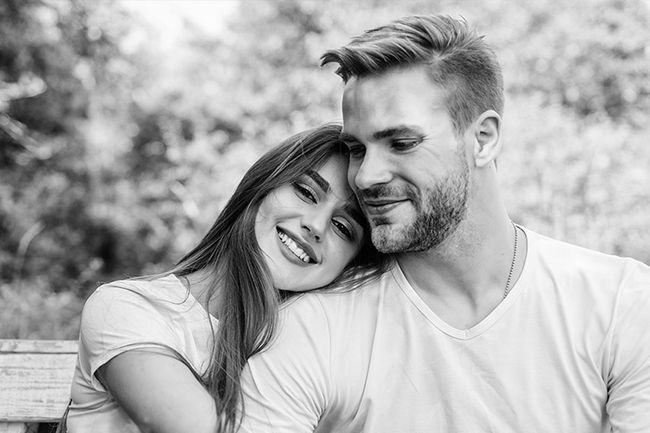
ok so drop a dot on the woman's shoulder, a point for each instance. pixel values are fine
(134, 298)
(134, 314)
(141, 291)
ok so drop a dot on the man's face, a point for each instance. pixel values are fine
(407, 166)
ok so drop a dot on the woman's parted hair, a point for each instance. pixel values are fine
(455, 55)
(229, 251)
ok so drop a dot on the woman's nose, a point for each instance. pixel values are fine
(314, 223)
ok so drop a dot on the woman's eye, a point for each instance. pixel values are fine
(304, 192)
(343, 229)
(356, 151)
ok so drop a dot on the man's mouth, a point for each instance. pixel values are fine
(381, 206)
(298, 248)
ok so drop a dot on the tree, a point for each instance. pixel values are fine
(116, 157)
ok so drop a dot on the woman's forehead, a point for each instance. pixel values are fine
(331, 176)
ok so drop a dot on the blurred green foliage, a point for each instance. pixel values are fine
(115, 157)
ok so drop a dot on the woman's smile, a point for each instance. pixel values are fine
(297, 247)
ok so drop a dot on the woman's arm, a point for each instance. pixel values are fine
(159, 392)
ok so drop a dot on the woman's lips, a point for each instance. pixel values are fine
(298, 248)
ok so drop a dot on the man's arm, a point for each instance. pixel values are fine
(628, 383)
(286, 387)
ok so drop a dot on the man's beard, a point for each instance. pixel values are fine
(438, 212)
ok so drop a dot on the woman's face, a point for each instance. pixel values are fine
(309, 230)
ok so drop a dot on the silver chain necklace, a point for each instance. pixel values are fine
(512, 264)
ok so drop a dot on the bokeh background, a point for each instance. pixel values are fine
(124, 125)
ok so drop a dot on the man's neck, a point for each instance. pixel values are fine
(463, 279)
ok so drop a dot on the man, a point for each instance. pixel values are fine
(481, 325)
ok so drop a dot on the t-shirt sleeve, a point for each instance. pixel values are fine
(285, 387)
(628, 403)
(117, 318)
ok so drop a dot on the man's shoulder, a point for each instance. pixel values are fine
(345, 292)
(569, 253)
(342, 301)
(569, 260)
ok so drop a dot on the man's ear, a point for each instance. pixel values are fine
(487, 138)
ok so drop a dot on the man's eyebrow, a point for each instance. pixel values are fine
(397, 131)
(325, 186)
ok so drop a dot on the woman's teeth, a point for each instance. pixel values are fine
(293, 246)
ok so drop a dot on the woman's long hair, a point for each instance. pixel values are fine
(231, 256)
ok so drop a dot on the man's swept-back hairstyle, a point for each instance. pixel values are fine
(457, 59)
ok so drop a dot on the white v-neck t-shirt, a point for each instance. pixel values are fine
(568, 350)
(133, 315)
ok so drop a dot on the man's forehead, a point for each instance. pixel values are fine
(390, 100)
(365, 99)
(359, 87)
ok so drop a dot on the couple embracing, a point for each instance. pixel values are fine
(435, 312)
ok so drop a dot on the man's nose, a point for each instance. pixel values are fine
(371, 170)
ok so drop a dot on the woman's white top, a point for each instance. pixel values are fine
(157, 315)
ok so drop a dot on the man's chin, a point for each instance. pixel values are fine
(388, 238)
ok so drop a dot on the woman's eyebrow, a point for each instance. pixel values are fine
(325, 186)
(348, 138)
(349, 206)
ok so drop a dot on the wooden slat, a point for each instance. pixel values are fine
(38, 346)
(35, 379)
(13, 427)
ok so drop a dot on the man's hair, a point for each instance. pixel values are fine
(456, 57)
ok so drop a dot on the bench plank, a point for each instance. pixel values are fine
(38, 346)
(13, 427)
(35, 378)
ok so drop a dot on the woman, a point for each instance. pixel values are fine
(165, 353)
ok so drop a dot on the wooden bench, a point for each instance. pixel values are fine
(35, 378)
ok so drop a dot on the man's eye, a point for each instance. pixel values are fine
(343, 229)
(405, 144)
(304, 192)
